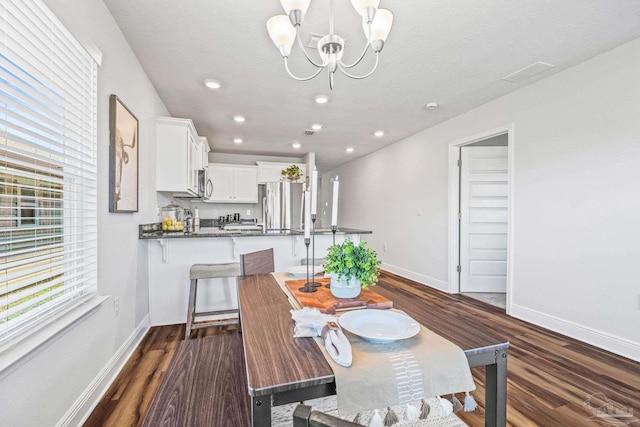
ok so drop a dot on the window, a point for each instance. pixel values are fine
(48, 225)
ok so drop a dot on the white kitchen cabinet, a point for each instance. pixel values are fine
(233, 183)
(271, 171)
(178, 156)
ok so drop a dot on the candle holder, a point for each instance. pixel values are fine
(313, 252)
(308, 287)
(334, 228)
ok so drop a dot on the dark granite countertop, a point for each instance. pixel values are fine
(147, 232)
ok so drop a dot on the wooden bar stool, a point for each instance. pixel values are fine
(209, 271)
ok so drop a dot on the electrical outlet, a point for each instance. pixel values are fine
(248, 212)
(215, 213)
(116, 306)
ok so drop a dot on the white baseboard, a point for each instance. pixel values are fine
(417, 277)
(612, 343)
(89, 399)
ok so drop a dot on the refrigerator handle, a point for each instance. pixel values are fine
(264, 214)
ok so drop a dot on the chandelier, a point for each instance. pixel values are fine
(285, 29)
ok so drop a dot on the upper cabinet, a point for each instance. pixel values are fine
(271, 171)
(233, 183)
(179, 156)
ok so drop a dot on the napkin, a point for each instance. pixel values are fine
(337, 344)
(310, 322)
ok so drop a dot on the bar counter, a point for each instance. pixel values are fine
(167, 257)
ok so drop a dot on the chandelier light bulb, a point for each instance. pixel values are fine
(301, 5)
(366, 9)
(361, 5)
(282, 33)
(381, 26)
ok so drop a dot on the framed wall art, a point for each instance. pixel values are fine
(123, 157)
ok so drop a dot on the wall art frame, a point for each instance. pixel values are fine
(123, 157)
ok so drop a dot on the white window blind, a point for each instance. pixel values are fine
(48, 234)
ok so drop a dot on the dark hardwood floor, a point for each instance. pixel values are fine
(550, 376)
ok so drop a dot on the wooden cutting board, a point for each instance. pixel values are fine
(324, 300)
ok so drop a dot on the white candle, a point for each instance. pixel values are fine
(314, 192)
(334, 209)
(307, 215)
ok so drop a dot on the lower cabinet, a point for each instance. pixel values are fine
(233, 183)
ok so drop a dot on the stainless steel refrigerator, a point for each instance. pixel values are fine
(282, 206)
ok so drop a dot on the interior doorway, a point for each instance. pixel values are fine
(479, 217)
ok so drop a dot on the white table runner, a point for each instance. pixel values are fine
(403, 371)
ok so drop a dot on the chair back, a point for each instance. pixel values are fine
(260, 262)
(304, 416)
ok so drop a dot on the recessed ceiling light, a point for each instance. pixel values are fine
(431, 106)
(296, 145)
(212, 84)
(322, 99)
(316, 126)
(349, 150)
(239, 119)
(378, 133)
(237, 140)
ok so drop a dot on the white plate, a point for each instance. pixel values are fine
(301, 270)
(379, 326)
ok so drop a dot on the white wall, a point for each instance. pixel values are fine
(41, 390)
(576, 202)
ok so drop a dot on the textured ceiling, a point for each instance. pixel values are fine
(453, 52)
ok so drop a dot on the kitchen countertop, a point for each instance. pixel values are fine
(214, 233)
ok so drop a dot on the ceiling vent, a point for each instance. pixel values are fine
(309, 132)
(527, 72)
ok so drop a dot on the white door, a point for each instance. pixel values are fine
(483, 219)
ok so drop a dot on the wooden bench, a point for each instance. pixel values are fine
(205, 385)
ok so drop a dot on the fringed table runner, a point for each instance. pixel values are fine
(402, 371)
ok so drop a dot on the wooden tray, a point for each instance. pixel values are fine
(324, 300)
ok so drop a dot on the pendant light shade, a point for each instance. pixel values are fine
(289, 5)
(381, 25)
(282, 33)
(361, 5)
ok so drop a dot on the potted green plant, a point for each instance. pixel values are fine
(351, 268)
(291, 173)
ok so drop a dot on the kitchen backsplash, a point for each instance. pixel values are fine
(216, 210)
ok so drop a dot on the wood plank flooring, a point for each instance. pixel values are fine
(549, 375)
(203, 387)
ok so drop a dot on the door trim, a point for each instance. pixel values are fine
(454, 194)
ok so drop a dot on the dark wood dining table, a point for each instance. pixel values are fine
(282, 369)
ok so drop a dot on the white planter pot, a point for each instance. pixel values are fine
(345, 288)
